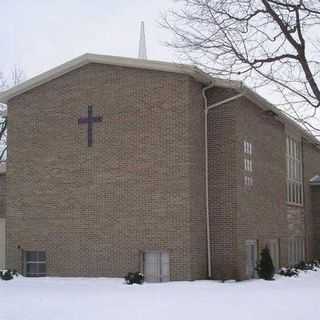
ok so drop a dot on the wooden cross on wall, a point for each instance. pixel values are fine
(90, 120)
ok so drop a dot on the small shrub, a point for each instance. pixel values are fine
(289, 272)
(265, 267)
(134, 277)
(303, 266)
(316, 263)
(8, 274)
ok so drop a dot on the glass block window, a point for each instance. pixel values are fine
(35, 264)
(248, 181)
(248, 163)
(296, 252)
(294, 172)
(247, 146)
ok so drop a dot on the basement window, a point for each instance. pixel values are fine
(34, 263)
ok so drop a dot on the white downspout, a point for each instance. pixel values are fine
(206, 110)
(206, 176)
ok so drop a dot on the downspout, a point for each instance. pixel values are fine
(206, 176)
(206, 110)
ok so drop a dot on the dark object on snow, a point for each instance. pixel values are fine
(134, 277)
(308, 266)
(265, 267)
(301, 266)
(289, 272)
(8, 274)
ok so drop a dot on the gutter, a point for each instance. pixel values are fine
(206, 111)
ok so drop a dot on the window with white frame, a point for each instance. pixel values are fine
(248, 163)
(294, 172)
(296, 251)
(34, 263)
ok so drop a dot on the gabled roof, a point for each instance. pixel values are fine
(190, 70)
(263, 103)
(315, 181)
(102, 59)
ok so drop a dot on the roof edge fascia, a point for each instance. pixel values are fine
(102, 59)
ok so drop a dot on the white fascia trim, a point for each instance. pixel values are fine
(190, 70)
(43, 78)
(281, 116)
(87, 58)
(264, 104)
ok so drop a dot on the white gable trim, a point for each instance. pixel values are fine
(103, 59)
(190, 70)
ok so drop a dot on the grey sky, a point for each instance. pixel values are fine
(40, 34)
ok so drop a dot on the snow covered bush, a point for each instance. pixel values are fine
(265, 267)
(289, 272)
(134, 277)
(301, 266)
(316, 264)
(8, 274)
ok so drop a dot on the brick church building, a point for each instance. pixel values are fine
(119, 164)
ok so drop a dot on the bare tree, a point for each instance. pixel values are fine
(16, 76)
(272, 43)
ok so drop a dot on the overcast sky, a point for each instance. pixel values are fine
(40, 34)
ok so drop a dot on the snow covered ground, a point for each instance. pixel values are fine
(100, 298)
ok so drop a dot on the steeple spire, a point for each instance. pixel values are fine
(142, 43)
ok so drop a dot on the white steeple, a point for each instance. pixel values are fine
(142, 43)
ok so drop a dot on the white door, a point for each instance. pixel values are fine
(251, 252)
(2, 243)
(156, 266)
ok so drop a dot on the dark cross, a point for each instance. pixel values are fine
(90, 121)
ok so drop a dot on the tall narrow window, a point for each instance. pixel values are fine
(294, 172)
(248, 163)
